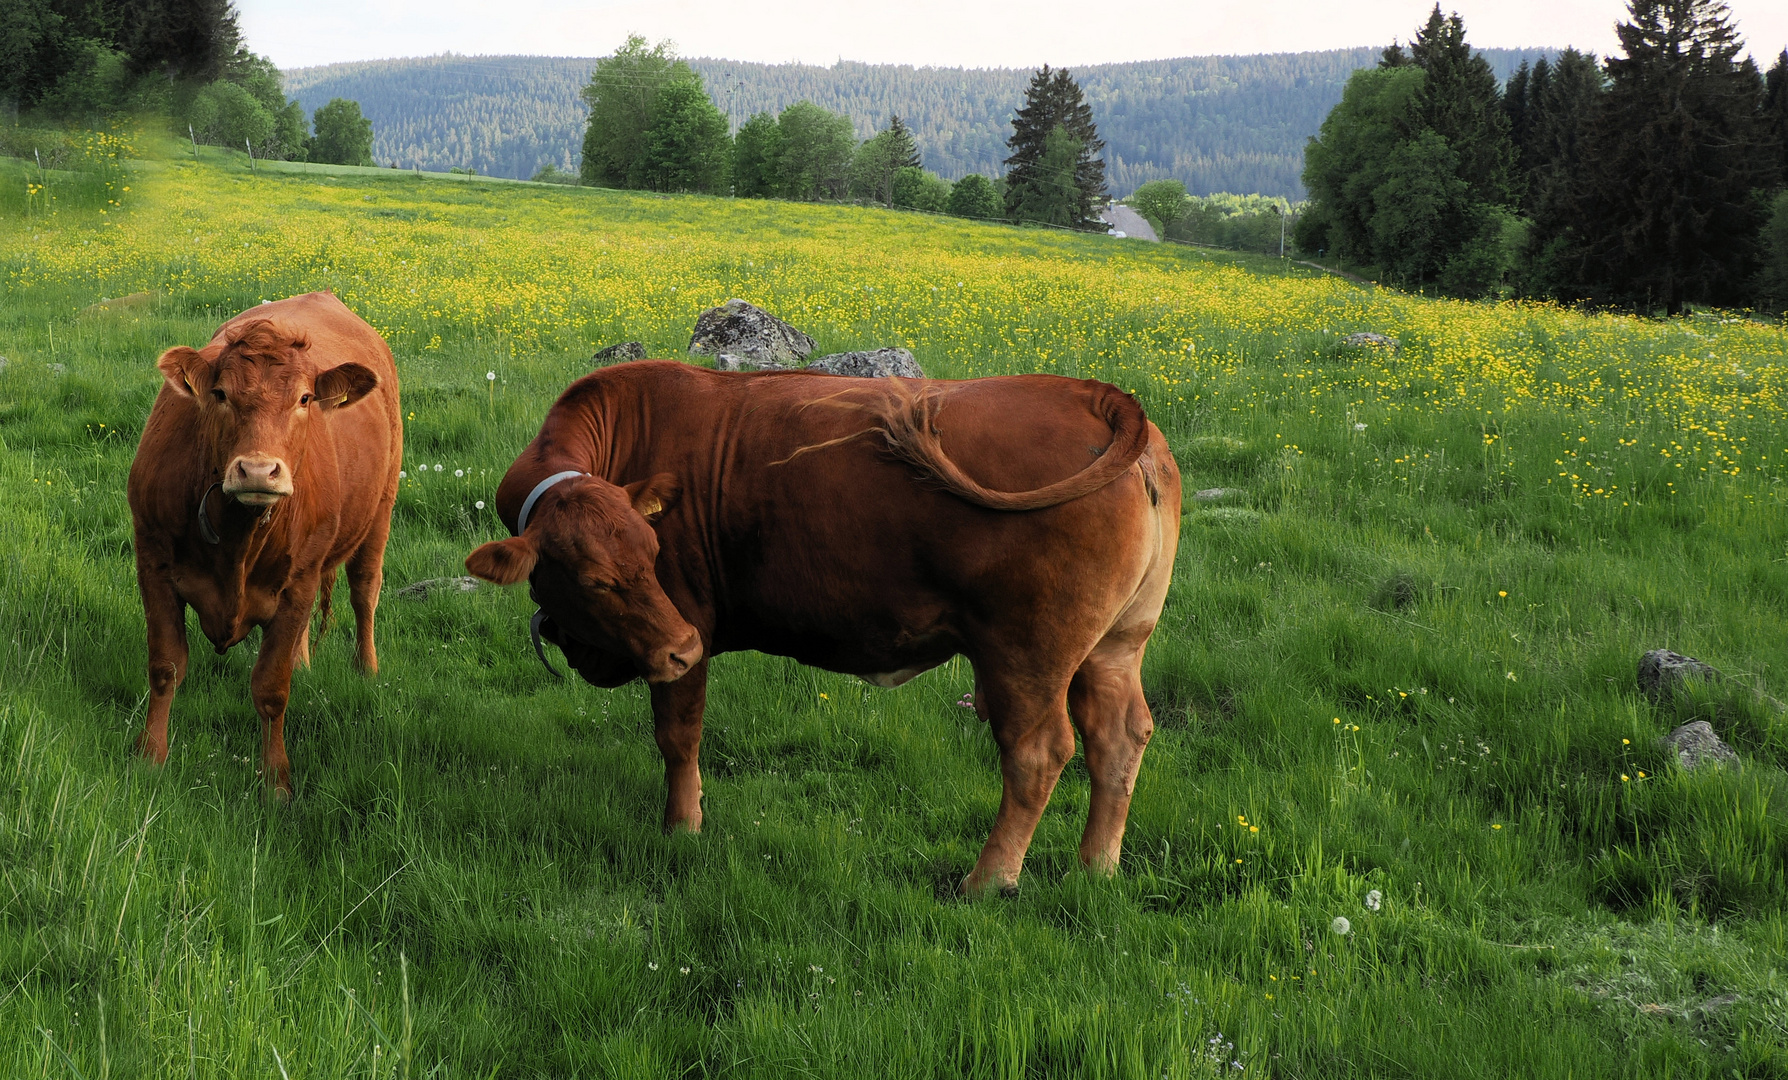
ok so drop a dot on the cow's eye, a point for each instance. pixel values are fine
(218, 394)
(305, 400)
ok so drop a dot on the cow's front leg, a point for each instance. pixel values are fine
(271, 685)
(165, 613)
(677, 725)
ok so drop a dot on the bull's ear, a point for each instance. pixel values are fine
(504, 562)
(652, 497)
(344, 384)
(186, 371)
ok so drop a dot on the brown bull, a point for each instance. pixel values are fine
(667, 513)
(269, 459)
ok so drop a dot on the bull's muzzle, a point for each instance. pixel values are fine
(257, 480)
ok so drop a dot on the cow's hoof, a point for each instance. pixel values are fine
(277, 795)
(149, 755)
(988, 887)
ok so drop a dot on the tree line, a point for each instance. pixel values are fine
(1215, 123)
(653, 125)
(1649, 180)
(80, 61)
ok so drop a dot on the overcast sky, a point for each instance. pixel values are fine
(953, 33)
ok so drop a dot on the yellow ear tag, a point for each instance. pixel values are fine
(648, 511)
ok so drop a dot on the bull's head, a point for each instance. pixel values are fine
(258, 391)
(591, 554)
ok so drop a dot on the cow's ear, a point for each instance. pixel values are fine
(343, 385)
(186, 371)
(653, 497)
(504, 562)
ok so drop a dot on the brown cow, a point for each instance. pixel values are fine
(668, 513)
(261, 471)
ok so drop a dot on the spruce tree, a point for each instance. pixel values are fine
(881, 158)
(1775, 116)
(1664, 200)
(1054, 100)
(1461, 103)
(903, 148)
(1517, 98)
(1552, 160)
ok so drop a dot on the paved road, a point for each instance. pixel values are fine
(1128, 222)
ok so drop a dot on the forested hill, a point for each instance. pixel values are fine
(1218, 123)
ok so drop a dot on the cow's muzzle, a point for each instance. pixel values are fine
(671, 664)
(257, 479)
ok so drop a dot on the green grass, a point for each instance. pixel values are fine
(470, 881)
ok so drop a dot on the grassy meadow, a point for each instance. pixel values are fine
(1394, 683)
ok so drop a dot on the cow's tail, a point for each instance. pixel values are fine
(909, 426)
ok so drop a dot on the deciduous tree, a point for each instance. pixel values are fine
(687, 147)
(974, 196)
(622, 96)
(1163, 202)
(343, 136)
(817, 147)
(757, 158)
(1048, 193)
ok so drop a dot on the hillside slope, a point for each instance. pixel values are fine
(1219, 123)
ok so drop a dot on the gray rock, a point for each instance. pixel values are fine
(422, 590)
(2, 363)
(748, 360)
(1369, 340)
(57, 369)
(870, 364)
(749, 331)
(624, 351)
(1662, 671)
(1696, 744)
(1216, 494)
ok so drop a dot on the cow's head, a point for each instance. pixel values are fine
(258, 391)
(591, 554)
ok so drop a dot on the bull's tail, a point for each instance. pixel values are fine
(908, 425)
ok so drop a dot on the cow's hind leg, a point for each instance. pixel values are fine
(1030, 724)
(1106, 702)
(366, 571)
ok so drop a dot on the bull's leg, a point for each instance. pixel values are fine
(1030, 725)
(677, 725)
(165, 613)
(1106, 702)
(366, 571)
(271, 685)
